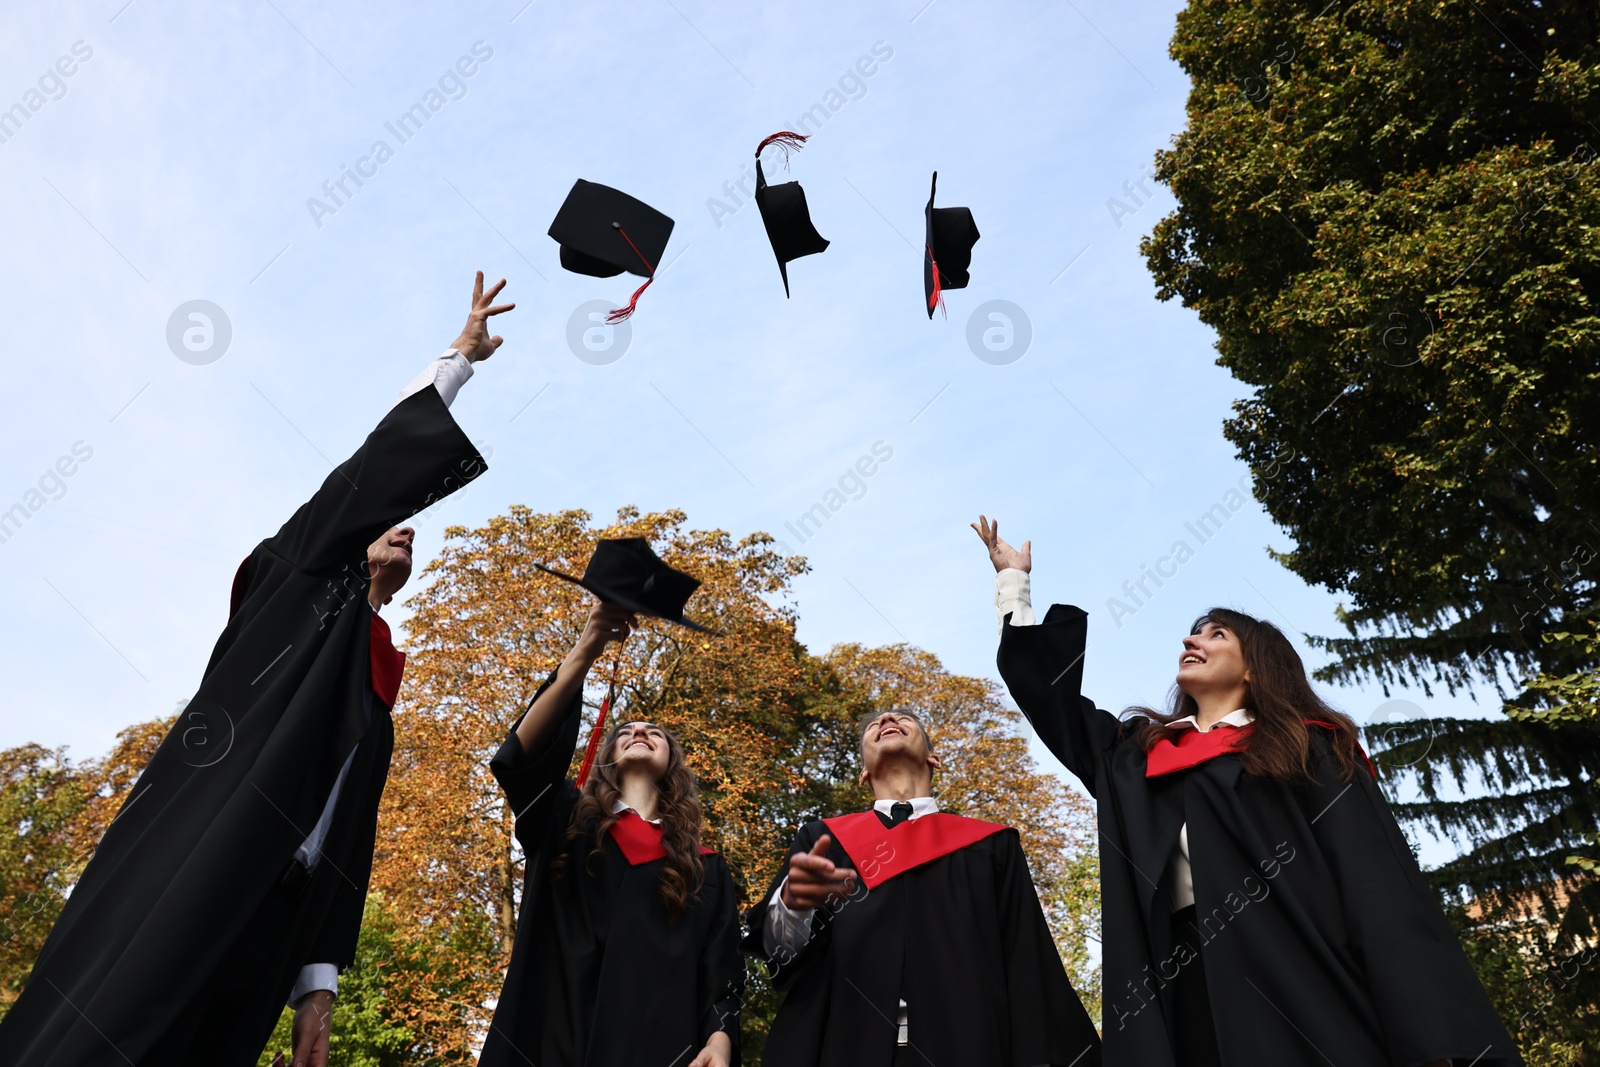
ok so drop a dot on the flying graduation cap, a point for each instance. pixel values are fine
(625, 571)
(784, 211)
(951, 234)
(603, 232)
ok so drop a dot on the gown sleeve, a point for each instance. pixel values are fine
(534, 780)
(721, 967)
(1037, 987)
(1429, 1000)
(416, 455)
(1043, 668)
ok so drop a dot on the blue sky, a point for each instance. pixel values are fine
(176, 164)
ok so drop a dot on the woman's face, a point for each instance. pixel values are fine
(642, 746)
(1211, 661)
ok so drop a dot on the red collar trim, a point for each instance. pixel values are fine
(1194, 748)
(640, 841)
(387, 663)
(881, 852)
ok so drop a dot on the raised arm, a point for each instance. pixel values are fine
(1043, 664)
(416, 456)
(539, 746)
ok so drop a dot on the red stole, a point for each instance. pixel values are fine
(1194, 748)
(640, 841)
(387, 662)
(882, 852)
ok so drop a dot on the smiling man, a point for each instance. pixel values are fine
(904, 935)
(234, 877)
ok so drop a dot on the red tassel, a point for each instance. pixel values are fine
(937, 299)
(622, 314)
(594, 743)
(599, 731)
(787, 140)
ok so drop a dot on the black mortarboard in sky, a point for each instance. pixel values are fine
(948, 252)
(625, 571)
(603, 232)
(784, 211)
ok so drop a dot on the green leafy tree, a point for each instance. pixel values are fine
(365, 1033)
(41, 796)
(1387, 211)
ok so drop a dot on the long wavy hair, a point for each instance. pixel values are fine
(1278, 694)
(677, 806)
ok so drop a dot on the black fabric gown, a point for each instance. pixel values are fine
(190, 920)
(600, 976)
(1320, 941)
(961, 939)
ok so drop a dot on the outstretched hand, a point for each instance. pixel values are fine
(814, 879)
(475, 342)
(1001, 554)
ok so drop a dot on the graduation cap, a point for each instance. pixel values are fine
(625, 571)
(603, 232)
(951, 234)
(784, 211)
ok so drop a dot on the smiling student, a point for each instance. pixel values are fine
(905, 936)
(627, 947)
(1260, 903)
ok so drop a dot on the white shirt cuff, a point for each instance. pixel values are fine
(448, 374)
(786, 927)
(314, 976)
(1013, 594)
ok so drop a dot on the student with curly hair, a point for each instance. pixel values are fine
(627, 948)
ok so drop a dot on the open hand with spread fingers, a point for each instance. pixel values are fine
(475, 342)
(1001, 554)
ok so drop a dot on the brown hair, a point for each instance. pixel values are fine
(1280, 697)
(677, 806)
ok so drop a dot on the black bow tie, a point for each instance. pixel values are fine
(899, 812)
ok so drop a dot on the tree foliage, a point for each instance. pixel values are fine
(1387, 211)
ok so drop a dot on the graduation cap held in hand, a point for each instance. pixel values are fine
(625, 571)
(947, 254)
(784, 211)
(603, 232)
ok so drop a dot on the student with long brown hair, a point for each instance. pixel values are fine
(1260, 905)
(627, 948)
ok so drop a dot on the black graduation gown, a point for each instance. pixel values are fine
(1320, 940)
(211, 827)
(599, 975)
(962, 939)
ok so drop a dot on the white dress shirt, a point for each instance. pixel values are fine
(1182, 873)
(790, 928)
(1013, 594)
(447, 374)
(618, 807)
